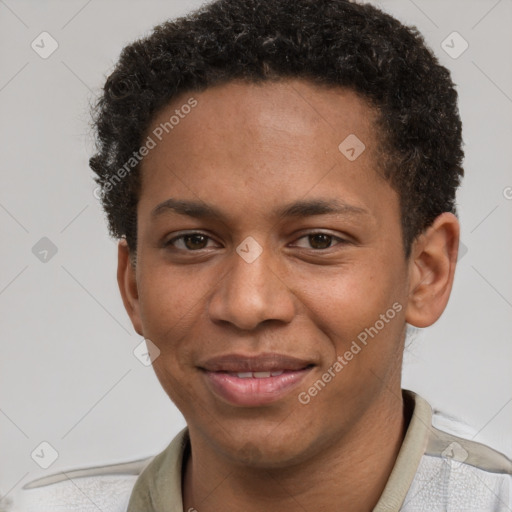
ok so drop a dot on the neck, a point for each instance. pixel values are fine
(349, 476)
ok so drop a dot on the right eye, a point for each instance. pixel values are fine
(190, 241)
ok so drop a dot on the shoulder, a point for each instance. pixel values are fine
(159, 484)
(457, 473)
(106, 488)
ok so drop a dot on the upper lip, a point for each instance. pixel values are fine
(266, 362)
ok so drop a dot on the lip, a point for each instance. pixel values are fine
(220, 376)
(265, 362)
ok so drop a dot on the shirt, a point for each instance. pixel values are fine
(434, 471)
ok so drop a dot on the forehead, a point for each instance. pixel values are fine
(272, 142)
(262, 112)
(270, 103)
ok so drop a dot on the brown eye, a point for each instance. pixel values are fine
(195, 241)
(320, 241)
(191, 242)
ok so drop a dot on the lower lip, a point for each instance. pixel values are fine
(251, 391)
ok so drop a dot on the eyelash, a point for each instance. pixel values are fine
(182, 236)
(334, 238)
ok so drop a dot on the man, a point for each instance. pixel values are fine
(282, 177)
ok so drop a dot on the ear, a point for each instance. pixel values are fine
(431, 270)
(126, 279)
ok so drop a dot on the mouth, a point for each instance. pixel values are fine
(253, 381)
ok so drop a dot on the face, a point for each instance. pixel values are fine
(266, 255)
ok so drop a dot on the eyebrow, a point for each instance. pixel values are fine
(307, 208)
(190, 208)
(301, 208)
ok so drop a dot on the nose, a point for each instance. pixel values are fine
(250, 294)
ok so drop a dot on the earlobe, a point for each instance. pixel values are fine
(127, 283)
(432, 269)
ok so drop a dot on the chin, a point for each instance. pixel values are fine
(264, 448)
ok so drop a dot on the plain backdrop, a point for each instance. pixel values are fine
(68, 375)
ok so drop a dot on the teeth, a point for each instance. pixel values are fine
(258, 375)
(261, 375)
(245, 375)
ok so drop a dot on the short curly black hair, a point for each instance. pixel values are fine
(329, 42)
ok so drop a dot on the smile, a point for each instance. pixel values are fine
(254, 389)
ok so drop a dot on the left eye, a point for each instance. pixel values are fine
(319, 241)
(191, 241)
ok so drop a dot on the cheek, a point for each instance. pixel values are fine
(170, 302)
(168, 292)
(360, 314)
(361, 319)
(344, 301)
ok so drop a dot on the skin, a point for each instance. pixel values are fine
(249, 150)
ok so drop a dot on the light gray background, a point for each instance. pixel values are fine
(67, 372)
